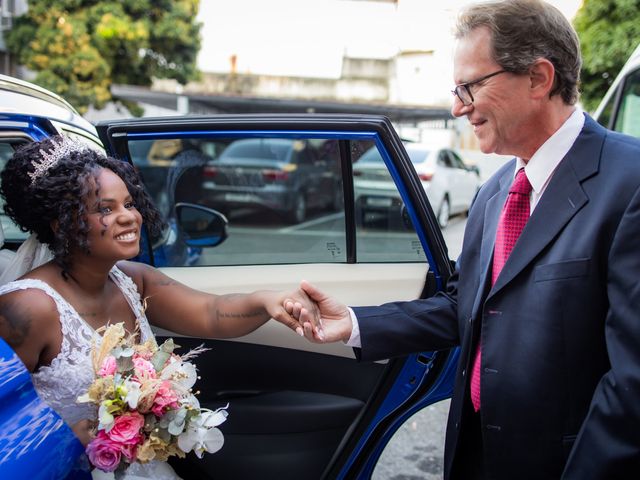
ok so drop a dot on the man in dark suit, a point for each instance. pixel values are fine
(545, 299)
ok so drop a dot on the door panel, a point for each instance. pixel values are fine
(297, 410)
(354, 284)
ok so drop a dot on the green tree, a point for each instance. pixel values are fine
(78, 48)
(609, 31)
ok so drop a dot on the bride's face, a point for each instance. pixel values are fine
(114, 221)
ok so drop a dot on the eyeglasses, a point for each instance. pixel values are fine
(463, 91)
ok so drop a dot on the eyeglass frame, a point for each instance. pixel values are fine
(466, 86)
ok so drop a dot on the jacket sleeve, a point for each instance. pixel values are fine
(608, 444)
(400, 328)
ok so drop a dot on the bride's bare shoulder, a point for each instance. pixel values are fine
(28, 323)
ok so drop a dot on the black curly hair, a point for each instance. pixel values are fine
(58, 196)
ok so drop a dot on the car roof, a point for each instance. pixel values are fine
(18, 97)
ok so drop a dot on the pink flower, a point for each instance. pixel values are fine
(165, 399)
(126, 429)
(143, 368)
(108, 367)
(130, 451)
(104, 453)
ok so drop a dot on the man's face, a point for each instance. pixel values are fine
(499, 109)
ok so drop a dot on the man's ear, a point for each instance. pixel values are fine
(54, 225)
(541, 78)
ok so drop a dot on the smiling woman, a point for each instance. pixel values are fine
(89, 210)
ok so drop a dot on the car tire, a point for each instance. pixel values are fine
(444, 212)
(298, 212)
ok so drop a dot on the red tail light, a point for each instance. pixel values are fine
(209, 172)
(273, 175)
(425, 176)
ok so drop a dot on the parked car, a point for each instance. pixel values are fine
(450, 184)
(620, 107)
(284, 175)
(296, 409)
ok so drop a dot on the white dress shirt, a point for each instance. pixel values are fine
(539, 170)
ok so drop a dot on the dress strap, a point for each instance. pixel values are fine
(130, 291)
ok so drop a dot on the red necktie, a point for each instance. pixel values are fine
(513, 218)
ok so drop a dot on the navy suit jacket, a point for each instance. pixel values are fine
(560, 329)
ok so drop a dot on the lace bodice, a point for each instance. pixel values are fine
(70, 372)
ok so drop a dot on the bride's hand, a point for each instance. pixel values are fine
(84, 430)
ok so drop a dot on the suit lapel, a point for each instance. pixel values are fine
(492, 211)
(562, 199)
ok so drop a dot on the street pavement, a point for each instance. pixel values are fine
(416, 451)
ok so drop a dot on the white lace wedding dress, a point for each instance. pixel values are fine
(71, 373)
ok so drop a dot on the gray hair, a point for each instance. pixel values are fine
(523, 31)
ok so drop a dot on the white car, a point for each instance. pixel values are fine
(449, 183)
(620, 107)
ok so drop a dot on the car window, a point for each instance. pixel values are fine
(418, 155)
(278, 211)
(383, 230)
(11, 231)
(628, 117)
(444, 160)
(456, 160)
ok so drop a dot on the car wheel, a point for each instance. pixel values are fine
(444, 212)
(298, 212)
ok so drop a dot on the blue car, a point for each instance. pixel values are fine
(297, 410)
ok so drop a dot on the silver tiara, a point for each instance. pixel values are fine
(59, 150)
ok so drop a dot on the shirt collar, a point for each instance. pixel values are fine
(544, 162)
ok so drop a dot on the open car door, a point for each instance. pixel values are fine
(294, 199)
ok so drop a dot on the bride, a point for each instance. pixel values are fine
(89, 209)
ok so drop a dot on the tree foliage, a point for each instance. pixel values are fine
(609, 31)
(78, 48)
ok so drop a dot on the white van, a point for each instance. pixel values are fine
(620, 107)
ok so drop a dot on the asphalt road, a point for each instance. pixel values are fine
(416, 450)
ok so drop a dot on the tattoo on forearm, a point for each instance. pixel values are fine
(222, 314)
(13, 325)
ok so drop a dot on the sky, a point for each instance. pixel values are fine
(309, 37)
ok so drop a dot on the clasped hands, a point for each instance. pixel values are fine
(318, 317)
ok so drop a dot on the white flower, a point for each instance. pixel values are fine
(182, 373)
(190, 401)
(105, 418)
(133, 393)
(201, 435)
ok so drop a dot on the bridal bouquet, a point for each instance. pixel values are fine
(146, 407)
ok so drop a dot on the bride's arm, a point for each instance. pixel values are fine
(176, 307)
(29, 323)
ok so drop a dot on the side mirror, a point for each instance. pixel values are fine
(201, 226)
(474, 169)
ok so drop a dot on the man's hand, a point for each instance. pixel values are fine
(275, 306)
(331, 321)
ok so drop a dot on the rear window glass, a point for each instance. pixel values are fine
(276, 150)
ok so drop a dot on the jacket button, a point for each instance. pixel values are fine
(457, 425)
(464, 372)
